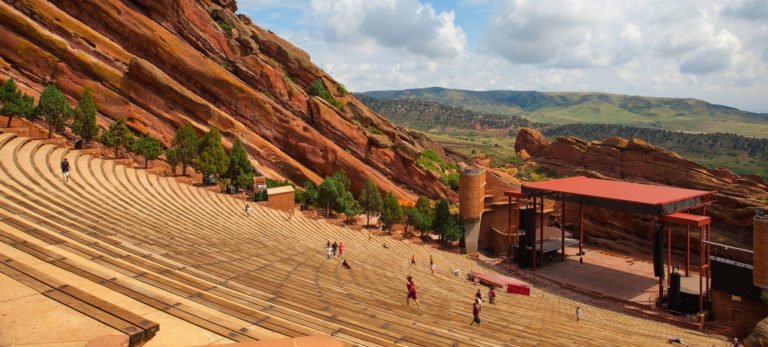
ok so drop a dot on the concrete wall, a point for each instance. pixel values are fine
(746, 312)
(282, 201)
(471, 234)
(496, 218)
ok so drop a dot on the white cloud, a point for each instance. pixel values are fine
(405, 24)
(708, 49)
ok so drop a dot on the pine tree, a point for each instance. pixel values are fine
(240, 169)
(424, 215)
(149, 147)
(370, 200)
(172, 159)
(185, 144)
(15, 103)
(84, 124)
(211, 159)
(54, 109)
(118, 135)
(391, 213)
(442, 217)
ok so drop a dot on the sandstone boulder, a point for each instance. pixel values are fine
(407, 151)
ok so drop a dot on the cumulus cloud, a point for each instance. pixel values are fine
(756, 10)
(405, 24)
(718, 54)
(561, 33)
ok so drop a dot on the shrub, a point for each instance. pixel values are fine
(341, 89)
(226, 27)
(317, 88)
(374, 130)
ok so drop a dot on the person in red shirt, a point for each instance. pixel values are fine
(413, 261)
(341, 249)
(411, 293)
(476, 312)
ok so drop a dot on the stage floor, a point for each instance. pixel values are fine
(611, 274)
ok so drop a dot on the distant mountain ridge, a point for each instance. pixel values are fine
(691, 115)
(741, 154)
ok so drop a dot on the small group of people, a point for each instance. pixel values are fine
(332, 250)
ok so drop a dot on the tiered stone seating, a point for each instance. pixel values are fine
(141, 242)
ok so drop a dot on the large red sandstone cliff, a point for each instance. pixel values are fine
(638, 161)
(161, 63)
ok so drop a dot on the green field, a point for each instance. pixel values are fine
(689, 115)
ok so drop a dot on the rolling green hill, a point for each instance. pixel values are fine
(690, 115)
(492, 135)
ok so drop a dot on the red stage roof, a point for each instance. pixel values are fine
(616, 190)
(686, 219)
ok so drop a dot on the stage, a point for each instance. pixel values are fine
(610, 274)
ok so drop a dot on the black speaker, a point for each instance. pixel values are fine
(658, 251)
(674, 291)
(528, 224)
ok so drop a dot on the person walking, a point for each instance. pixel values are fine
(65, 170)
(247, 209)
(341, 249)
(335, 246)
(492, 296)
(476, 308)
(578, 313)
(479, 295)
(329, 252)
(413, 261)
(411, 292)
(290, 213)
(432, 265)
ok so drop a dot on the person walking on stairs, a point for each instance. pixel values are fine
(578, 313)
(432, 265)
(247, 209)
(411, 292)
(65, 170)
(476, 308)
(479, 295)
(413, 261)
(335, 246)
(290, 213)
(341, 249)
(492, 295)
(329, 251)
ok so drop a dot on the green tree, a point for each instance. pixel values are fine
(240, 169)
(442, 217)
(172, 159)
(149, 147)
(452, 229)
(211, 156)
(331, 193)
(118, 135)
(185, 143)
(370, 200)
(15, 103)
(308, 195)
(391, 213)
(422, 219)
(348, 205)
(54, 109)
(84, 124)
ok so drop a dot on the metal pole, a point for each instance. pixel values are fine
(509, 228)
(562, 231)
(687, 249)
(669, 252)
(581, 229)
(533, 234)
(701, 270)
(541, 235)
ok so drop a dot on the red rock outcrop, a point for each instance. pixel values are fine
(638, 161)
(161, 63)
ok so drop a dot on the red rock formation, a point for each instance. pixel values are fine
(161, 63)
(637, 161)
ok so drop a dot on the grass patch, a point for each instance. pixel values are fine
(226, 27)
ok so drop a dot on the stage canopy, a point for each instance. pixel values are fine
(618, 195)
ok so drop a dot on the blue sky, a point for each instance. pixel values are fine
(706, 49)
